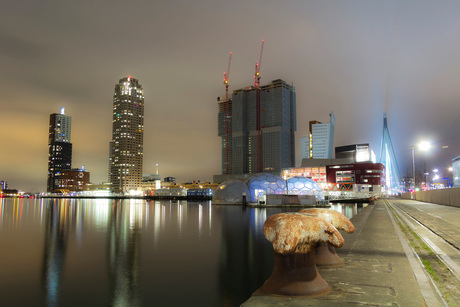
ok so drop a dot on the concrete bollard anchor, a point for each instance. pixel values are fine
(293, 236)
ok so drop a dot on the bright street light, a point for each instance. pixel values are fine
(424, 146)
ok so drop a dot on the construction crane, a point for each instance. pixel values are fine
(227, 116)
(259, 131)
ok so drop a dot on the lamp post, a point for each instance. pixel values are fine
(426, 180)
(423, 146)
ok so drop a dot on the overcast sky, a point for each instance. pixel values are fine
(358, 59)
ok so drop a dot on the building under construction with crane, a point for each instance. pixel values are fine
(257, 125)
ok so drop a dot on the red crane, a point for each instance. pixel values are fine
(259, 131)
(227, 116)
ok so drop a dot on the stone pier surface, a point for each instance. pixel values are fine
(377, 268)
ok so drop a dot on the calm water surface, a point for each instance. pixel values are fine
(69, 252)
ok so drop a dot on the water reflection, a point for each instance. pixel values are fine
(57, 219)
(123, 249)
(348, 209)
(135, 252)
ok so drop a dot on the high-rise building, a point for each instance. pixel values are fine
(59, 147)
(322, 138)
(126, 147)
(305, 143)
(224, 130)
(274, 145)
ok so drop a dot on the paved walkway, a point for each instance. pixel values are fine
(378, 269)
(442, 220)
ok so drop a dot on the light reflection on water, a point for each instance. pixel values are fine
(95, 252)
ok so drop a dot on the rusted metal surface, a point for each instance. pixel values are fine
(326, 255)
(298, 233)
(337, 219)
(293, 236)
(295, 275)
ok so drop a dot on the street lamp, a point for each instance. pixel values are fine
(422, 146)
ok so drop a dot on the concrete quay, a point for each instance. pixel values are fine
(381, 268)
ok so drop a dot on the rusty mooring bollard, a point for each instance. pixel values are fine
(293, 236)
(325, 252)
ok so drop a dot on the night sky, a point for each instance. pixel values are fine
(358, 59)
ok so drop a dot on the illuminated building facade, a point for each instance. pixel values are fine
(356, 152)
(276, 148)
(456, 172)
(72, 180)
(126, 147)
(358, 177)
(59, 147)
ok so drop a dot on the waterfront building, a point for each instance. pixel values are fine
(338, 175)
(356, 152)
(321, 139)
(252, 150)
(59, 147)
(456, 172)
(72, 180)
(126, 147)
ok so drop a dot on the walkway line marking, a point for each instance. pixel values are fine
(425, 284)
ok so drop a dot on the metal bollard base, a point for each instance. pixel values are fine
(326, 255)
(294, 275)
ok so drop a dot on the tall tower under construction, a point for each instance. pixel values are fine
(274, 144)
(126, 147)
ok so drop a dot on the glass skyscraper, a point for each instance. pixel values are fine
(276, 148)
(59, 147)
(126, 147)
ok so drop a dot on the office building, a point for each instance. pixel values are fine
(321, 138)
(224, 130)
(59, 147)
(356, 153)
(126, 147)
(305, 148)
(269, 148)
(72, 180)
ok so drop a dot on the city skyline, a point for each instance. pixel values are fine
(358, 59)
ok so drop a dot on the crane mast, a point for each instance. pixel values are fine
(259, 131)
(227, 116)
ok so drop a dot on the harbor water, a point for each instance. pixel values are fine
(103, 252)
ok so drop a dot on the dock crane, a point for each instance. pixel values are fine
(227, 116)
(259, 131)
